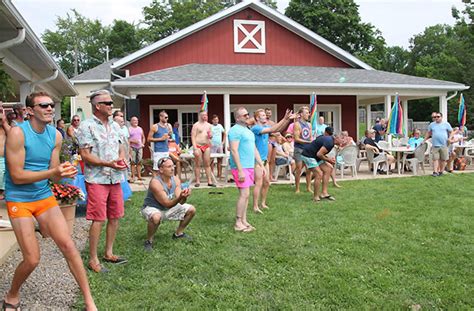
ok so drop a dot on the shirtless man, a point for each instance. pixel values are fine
(201, 135)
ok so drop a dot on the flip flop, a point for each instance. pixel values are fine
(329, 198)
(244, 230)
(115, 260)
(6, 305)
(97, 268)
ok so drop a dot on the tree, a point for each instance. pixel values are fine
(78, 44)
(122, 39)
(7, 87)
(339, 22)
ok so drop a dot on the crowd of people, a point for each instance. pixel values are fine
(113, 151)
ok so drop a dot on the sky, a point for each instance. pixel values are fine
(398, 20)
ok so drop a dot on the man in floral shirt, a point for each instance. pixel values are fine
(101, 148)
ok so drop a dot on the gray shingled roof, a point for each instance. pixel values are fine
(101, 72)
(256, 74)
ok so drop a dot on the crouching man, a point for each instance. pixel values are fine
(166, 200)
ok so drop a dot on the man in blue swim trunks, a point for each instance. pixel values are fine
(315, 157)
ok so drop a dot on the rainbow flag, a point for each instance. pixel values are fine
(395, 122)
(462, 112)
(313, 116)
(204, 102)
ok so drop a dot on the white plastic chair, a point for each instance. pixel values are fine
(417, 160)
(428, 152)
(276, 172)
(469, 154)
(383, 144)
(375, 163)
(349, 160)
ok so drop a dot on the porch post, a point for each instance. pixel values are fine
(25, 90)
(405, 116)
(443, 107)
(388, 109)
(368, 116)
(226, 117)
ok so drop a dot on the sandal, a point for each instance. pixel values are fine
(329, 198)
(115, 260)
(6, 305)
(97, 268)
(244, 229)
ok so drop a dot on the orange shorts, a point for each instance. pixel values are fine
(29, 209)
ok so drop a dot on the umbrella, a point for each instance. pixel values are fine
(204, 102)
(462, 112)
(313, 103)
(395, 122)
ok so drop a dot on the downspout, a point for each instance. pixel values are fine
(452, 96)
(50, 78)
(15, 41)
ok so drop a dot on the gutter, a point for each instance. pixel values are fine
(50, 78)
(452, 96)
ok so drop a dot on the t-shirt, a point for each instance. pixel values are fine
(311, 150)
(378, 128)
(440, 133)
(370, 141)
(320, 128)
(414, 142)
(217, 131)
(246, 140)
(261, 140)
(136, 134)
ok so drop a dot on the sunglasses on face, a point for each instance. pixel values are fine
(110, 103)
(75, 120)
(45, 105)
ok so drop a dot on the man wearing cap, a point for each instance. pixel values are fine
(102, 149)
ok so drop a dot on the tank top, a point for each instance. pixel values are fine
(38, 150)
(150, 198)
(305, 134)
(161, 146)
(136, 134)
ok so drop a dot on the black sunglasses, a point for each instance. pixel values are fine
(106, 103)
(74, 120)
(162, 161)
(45, 105)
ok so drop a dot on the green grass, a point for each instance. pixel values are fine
(384, 244)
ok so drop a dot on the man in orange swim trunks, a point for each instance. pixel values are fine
(201, 138)
(32, 157)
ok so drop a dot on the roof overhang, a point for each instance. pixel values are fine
(89, 81)
(261, 8)
(30, 61)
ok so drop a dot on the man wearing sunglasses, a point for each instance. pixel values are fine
(159, 134)
(74, 127)
(439, 132)
(166, 200)
(32, 157)
(101, 148)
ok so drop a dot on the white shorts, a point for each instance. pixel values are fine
(177, 212)
(157, 156)
(217, 149)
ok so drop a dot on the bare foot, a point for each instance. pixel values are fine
(309, 190)
(337, 185)
(257, 211)
(265, 205)
(297, 191)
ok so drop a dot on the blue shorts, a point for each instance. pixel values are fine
(311, 162)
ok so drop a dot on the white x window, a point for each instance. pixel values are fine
(250, 42)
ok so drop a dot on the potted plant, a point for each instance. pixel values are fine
(67, 196)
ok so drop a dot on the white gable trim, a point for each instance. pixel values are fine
(268, 12)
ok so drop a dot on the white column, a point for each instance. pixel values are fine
(227, 113)
(388, 109)
(388, 106)
(405, 116)
(57, 112)
(358, 118)
(368, 116)
(72, 108)
(443, 107)
(25, 90)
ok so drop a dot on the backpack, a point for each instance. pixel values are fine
(460, 163)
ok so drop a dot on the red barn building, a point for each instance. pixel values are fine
(251, 55)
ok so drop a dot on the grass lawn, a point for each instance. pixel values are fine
(384, 244)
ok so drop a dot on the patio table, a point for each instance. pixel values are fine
(399, 151)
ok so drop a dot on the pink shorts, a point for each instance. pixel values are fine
(249, 178)
(104, 202)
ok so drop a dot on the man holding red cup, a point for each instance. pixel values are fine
(102, 149)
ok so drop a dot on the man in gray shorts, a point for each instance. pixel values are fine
(166, 200)
(439, 133)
